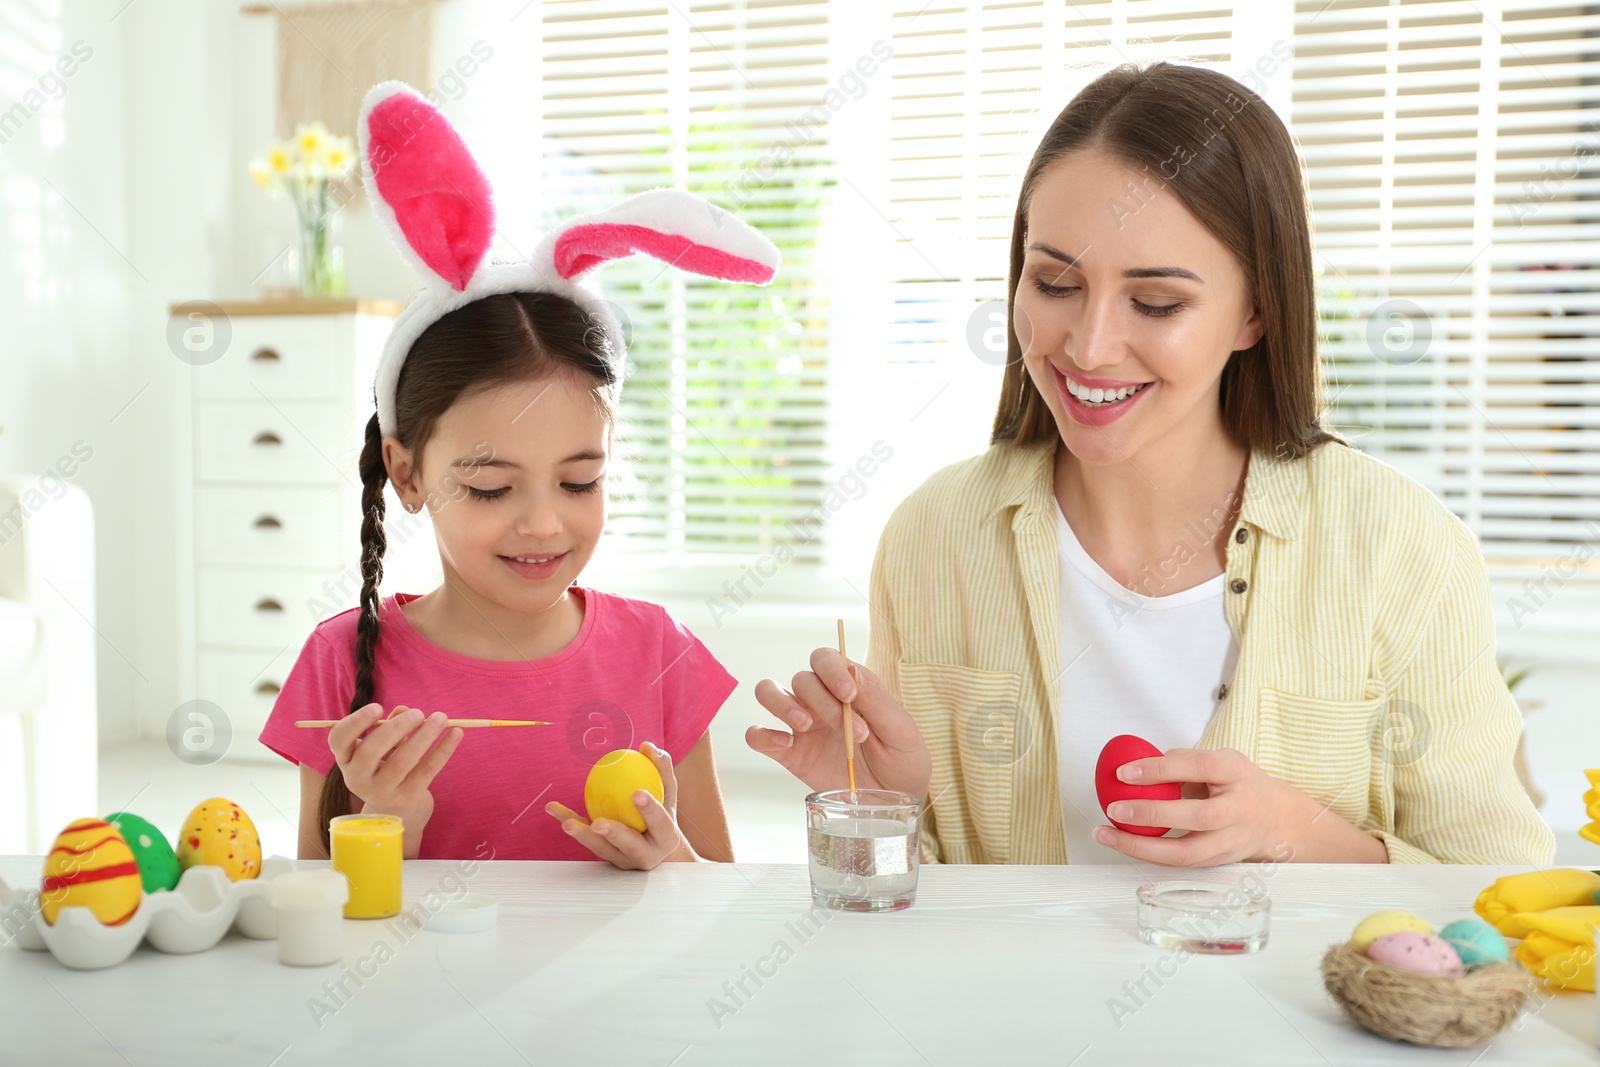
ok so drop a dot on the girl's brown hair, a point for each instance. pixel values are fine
(511, 337)
(1225, 154)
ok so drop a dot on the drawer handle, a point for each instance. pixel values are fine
(265, 355)
(268, 522)
(267, 437)
(269, 604)
(268, 689)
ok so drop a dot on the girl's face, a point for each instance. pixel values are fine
(513, 481)
(1126, 310)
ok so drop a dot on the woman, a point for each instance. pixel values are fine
(1163, 540)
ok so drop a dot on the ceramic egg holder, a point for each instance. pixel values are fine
(192, 917)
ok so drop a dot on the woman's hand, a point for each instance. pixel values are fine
(1233, 811)
(620, 844)
(389, 762)
(890, 751)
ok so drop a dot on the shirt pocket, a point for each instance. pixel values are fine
(977, 732)
(1324, 749)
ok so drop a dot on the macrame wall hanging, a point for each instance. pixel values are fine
(329, 54)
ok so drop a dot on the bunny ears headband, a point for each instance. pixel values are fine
(436, 206)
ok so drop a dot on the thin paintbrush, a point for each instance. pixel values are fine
(849, 723)
(314, 724)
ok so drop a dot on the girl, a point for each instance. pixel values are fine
(496, 399)
(1163, 540)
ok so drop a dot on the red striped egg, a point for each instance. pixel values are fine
(91, 867)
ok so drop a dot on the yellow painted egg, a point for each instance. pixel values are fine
(615, 777)
(1383, 923)
(219, 833)
(91, 867)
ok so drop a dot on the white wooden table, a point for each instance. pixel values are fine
(590, 965)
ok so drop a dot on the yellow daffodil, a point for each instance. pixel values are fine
(308, 138)
(337, 155)
(260, 173)
(278, 159)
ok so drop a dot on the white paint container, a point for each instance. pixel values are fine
(310, 910)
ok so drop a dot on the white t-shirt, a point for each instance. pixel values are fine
(1131, 664)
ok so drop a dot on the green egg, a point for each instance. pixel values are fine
(158, 864)
(1476, 942)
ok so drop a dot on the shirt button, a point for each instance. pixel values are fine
(1239, 585)
(1240, 535)
(1222, 690)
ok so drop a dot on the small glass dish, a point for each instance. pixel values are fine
(1209, 918)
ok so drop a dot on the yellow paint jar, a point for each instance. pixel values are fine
(367, 850)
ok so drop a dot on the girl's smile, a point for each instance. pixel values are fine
(535, 568)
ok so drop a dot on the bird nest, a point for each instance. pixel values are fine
(1425, 1009)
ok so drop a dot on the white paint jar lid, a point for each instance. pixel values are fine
(471, 913)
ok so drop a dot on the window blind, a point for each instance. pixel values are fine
(1450, 149)
(724, 411)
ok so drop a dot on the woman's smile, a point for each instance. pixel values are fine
(1098, 401)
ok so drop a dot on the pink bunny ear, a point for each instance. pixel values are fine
(676, 227)
(424, 184)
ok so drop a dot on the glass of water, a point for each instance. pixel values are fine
(863, 848)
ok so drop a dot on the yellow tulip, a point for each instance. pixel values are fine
(1560, 963)
(1504, 905)
(1574, 924)
(1591, 802)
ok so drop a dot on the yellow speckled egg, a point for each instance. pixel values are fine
(1383, 923)
(91, 867)
(219, 833)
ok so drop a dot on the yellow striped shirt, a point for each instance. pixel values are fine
(1366, 675)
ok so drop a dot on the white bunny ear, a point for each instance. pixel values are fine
(676, 227)
(425, 187)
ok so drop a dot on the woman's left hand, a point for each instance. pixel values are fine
(1233, 811)
(623, 846)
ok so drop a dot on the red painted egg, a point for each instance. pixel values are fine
(1119, 750)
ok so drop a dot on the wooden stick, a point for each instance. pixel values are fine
(317, 724)
(849, 723)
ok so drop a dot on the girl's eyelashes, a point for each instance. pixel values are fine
(1152, 310)
(571, 487)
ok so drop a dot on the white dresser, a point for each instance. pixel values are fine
(278, 422)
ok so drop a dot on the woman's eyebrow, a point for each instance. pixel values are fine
(1131, 272)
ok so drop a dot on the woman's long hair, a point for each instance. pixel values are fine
(1227, 157)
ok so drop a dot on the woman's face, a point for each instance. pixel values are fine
(1124, 294)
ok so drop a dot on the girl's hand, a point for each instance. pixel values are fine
(389, 762)
(890, 751)
(1233, 811)
(620, 844)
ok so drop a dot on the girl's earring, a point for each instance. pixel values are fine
(411, 507)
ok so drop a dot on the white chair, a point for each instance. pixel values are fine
(48, 758)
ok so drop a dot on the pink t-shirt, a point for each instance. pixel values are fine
(631, 675)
